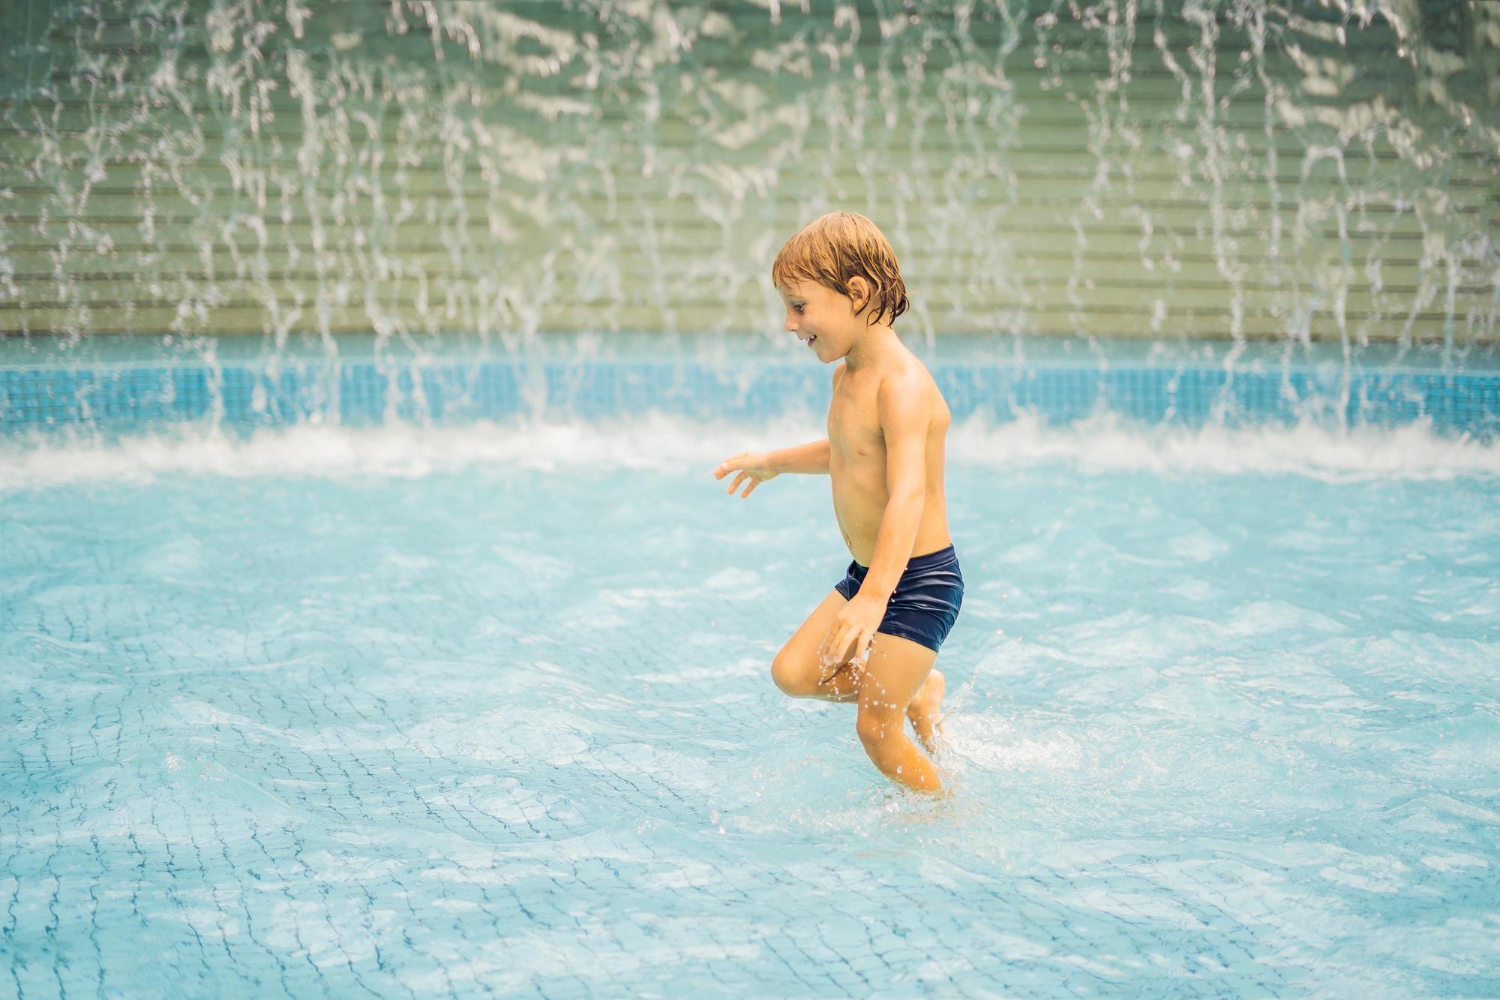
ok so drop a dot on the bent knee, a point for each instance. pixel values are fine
(792, 678)
(875, 728)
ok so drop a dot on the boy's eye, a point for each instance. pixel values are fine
(797, 306)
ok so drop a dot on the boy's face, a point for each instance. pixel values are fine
(820, 317)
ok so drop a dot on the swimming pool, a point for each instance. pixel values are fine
(482, 706)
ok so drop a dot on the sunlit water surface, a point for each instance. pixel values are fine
(488, 710)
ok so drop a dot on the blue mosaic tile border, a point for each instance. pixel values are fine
(360, 393)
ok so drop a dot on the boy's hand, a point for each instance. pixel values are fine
(850, 636)
(753, 465)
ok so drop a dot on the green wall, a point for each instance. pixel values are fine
(1137, 169)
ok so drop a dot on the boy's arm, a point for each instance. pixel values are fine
(904, 415)
(811, 458)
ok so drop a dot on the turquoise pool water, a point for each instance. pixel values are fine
(486, 710)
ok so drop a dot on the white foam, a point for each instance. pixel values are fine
(1105, 442)
(668, 443)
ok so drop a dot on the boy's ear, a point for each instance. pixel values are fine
(859, 294)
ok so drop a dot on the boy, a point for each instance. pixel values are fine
(875, 637)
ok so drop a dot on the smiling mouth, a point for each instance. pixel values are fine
(809, 340)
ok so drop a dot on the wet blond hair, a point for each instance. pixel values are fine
(839, 246)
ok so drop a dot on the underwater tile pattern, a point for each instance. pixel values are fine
(498, 732)
(355, 393)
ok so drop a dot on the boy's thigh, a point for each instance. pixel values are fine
(895, 671)
(798, 659)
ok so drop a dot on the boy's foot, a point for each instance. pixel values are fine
(923, 710)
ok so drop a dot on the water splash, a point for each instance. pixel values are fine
(1097, 444)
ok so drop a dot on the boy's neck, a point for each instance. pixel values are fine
(873, 346)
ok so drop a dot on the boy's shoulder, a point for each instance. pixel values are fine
(910, 382)
(905, 374)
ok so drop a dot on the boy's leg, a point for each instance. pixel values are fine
(796, 669)
(895, 672)
(925, 708)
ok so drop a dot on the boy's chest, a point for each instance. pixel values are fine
(854, 421)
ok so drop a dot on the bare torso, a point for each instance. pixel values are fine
(857, 460)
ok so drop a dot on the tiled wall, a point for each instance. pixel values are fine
(363, 392)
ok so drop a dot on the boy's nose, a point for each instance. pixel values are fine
(791, 323)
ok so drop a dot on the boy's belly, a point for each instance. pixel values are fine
(859, 506)
(858, 513)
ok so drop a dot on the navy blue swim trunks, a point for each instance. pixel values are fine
(925, 603)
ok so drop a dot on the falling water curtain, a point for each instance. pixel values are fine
(1132, 169)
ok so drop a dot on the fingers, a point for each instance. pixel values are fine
(727, 466)
(750, 483)
(828, 668)
(831, 653)
(849, 650)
